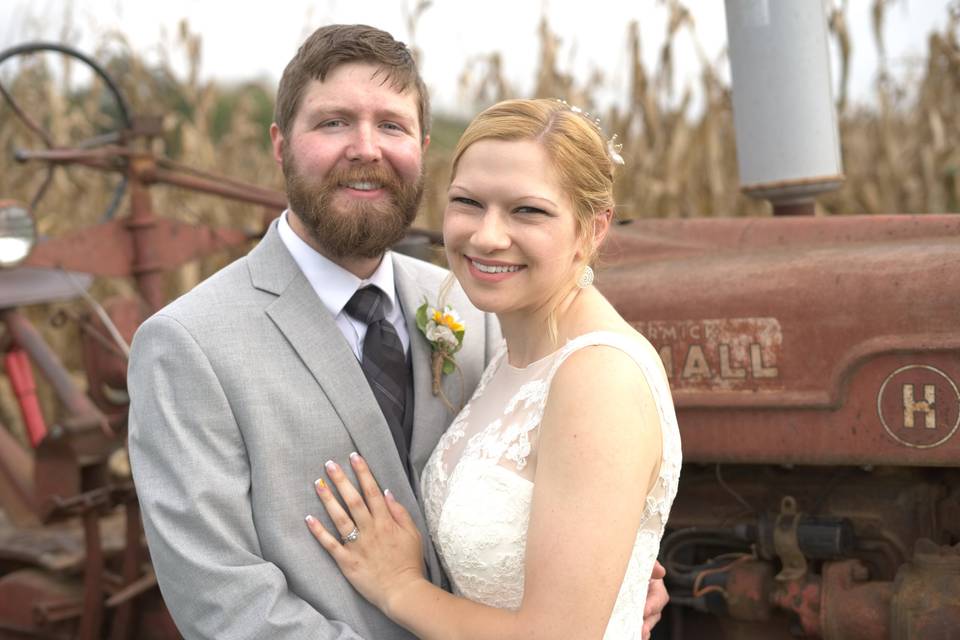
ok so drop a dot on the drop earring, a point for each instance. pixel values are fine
(586, 277)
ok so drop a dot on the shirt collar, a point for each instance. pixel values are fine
(333, 284)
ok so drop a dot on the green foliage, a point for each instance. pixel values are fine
(252, 102)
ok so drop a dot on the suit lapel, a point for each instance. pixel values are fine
(312, 332)
(430, 416)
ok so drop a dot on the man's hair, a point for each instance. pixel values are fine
(329, 47)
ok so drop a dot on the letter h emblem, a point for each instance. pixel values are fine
(927, 406)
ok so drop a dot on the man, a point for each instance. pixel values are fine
(301, 352)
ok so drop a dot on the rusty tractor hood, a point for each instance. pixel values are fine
(819, 340)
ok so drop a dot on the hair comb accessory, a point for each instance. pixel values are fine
(613, 147)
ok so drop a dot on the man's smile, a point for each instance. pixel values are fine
(364, 186)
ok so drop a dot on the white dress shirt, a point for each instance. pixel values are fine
(335, 286)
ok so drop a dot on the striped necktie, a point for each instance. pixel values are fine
(384, 363)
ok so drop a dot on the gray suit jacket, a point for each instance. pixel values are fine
(239, 392)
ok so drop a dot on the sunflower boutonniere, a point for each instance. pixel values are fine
(444, 330)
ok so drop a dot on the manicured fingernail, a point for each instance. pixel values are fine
(331, 466)
(320, 484)
(354, 456)
(389, 495)
(309, 519)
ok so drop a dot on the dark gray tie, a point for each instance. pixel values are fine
(384, 363)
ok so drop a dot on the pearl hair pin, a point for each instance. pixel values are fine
(613, 147)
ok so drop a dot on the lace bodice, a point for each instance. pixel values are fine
(478, 484)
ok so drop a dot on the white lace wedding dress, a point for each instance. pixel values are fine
(477, 485)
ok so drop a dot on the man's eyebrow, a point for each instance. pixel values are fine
(335, 109)
(397, 115)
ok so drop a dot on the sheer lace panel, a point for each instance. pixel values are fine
(478, 484)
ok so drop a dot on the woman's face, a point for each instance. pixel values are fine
(509, 227)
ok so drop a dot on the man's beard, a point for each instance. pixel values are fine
(362, 229)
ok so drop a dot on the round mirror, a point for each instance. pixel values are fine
(17, 233)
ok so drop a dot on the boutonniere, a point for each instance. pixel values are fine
(443, 329)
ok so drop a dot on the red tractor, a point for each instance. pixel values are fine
(815, 364)
(72, 558)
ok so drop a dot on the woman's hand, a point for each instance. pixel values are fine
(378, 547)
(657, 599)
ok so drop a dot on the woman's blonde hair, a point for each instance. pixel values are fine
(571, 140)
(576, 147)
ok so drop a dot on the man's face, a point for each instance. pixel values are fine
(353, 162)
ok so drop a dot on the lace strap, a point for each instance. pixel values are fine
(531, 398)
(672, 457)
(511, 437)
(651, 373)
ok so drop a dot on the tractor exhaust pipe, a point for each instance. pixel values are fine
(788, 143)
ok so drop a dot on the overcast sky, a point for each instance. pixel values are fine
(248, 40)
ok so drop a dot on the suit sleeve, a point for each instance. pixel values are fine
(193, 480)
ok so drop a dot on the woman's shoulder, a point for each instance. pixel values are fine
(598, 323)
(606, 395)
(614, 345)
(608, 358)
(613, 374)
(614, 362)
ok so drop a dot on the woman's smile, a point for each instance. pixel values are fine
(492, 270)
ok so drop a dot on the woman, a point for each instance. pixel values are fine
(548, 495)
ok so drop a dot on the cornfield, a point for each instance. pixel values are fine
(901, 154)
